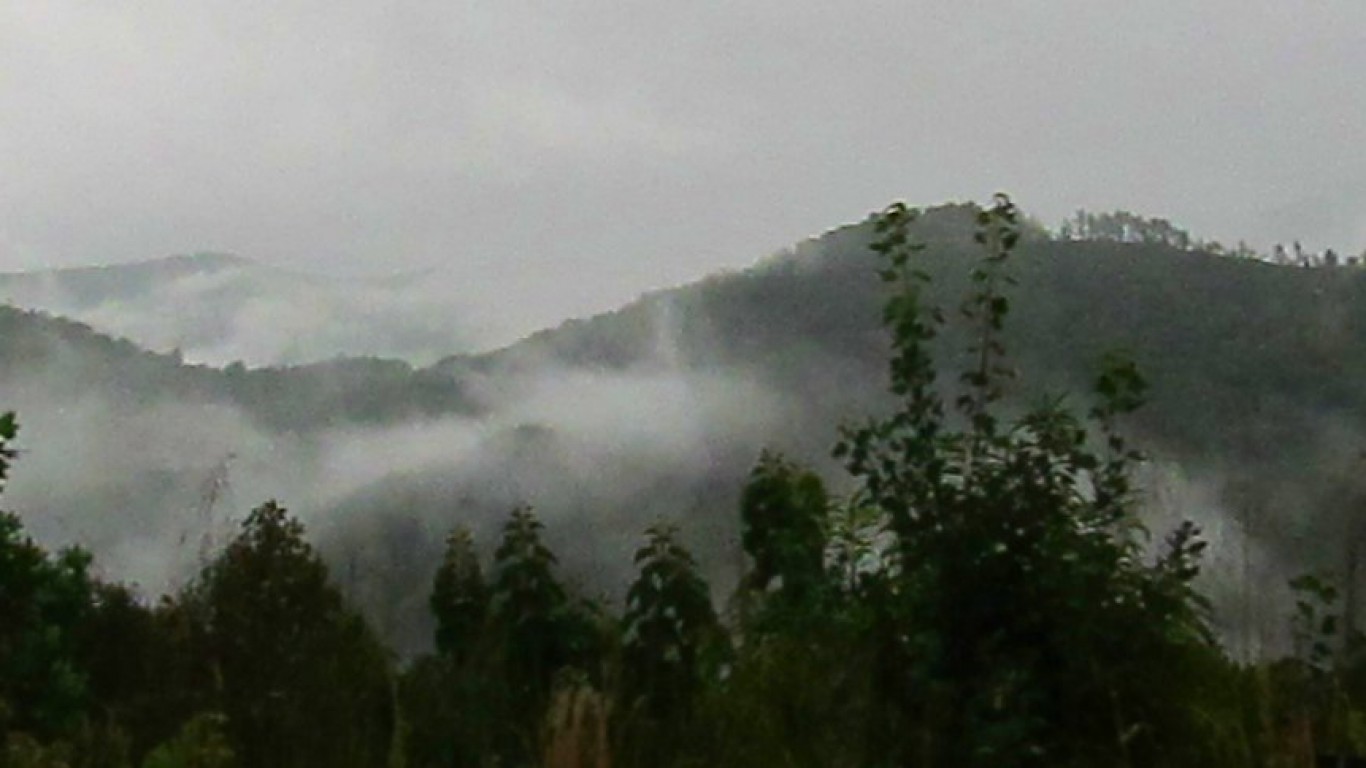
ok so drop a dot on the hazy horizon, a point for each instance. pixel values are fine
(625, 149)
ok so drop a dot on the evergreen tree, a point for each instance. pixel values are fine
(43, 601)
(668, 624)
(539, 631)
(9, 428)
(526, 607)
(128, 657)
(459, 600)
(304, 681)
(451, 706)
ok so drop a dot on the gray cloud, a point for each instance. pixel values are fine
(568, 156)
(624, 446)
(217, 311)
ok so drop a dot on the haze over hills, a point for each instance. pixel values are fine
(657, 409)
(220, 308)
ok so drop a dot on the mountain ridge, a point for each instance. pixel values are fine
(654, 409)
(223, 308)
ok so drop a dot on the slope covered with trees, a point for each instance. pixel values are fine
(1253, 370)
(982, 595)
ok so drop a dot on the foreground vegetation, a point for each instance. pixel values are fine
(985, 597)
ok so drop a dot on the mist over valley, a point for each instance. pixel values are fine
(218, 309)
(655, 411)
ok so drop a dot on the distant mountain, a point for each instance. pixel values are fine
(1257, 417)
(218, 308)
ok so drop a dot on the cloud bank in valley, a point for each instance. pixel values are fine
(601, 454)
(217, 310)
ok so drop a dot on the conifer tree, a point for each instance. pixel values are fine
(669, 622)
(528, 609)
(527, 601)
(304, 681)
(452, 703)
(9, 428)
(459, 600)
(126, 655)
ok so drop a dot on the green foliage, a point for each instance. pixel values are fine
(1021, 612)
(43, 600)
(666, 630)
(23, 751)
(528, 604)
(304, 682)
(1124, 227)
(1314, 624)
(9, 428)
(672, 649)
(132, 663)
(453, 714)
(800, 687)
(459, 599)
(201, 743)
(984, 596)
(537, 629)
(453, 706)
(783, 520)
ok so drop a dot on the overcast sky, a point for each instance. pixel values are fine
(588, 150)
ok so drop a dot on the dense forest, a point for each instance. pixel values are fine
(655, 411)
(976, 588)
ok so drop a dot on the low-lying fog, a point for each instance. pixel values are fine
(154, 483)
(217, 309)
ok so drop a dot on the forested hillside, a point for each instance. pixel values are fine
(971, 583)
(655, 410)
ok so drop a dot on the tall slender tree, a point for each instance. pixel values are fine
(460, 598)
(669, 622)
(540, 631)
(527, 602)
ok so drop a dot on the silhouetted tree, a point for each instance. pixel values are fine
(460, 598)
(668, 623)
(43, 601)
(304, 681)
(526, 605)
(538, 630)
(1026, 629)
(453, 705)
(783, 519)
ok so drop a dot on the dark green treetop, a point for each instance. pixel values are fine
(668, 623)
(43, 601)
(460, 597)
(304, 681)
(9, 428)
(1027, 627)
(782, 518)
